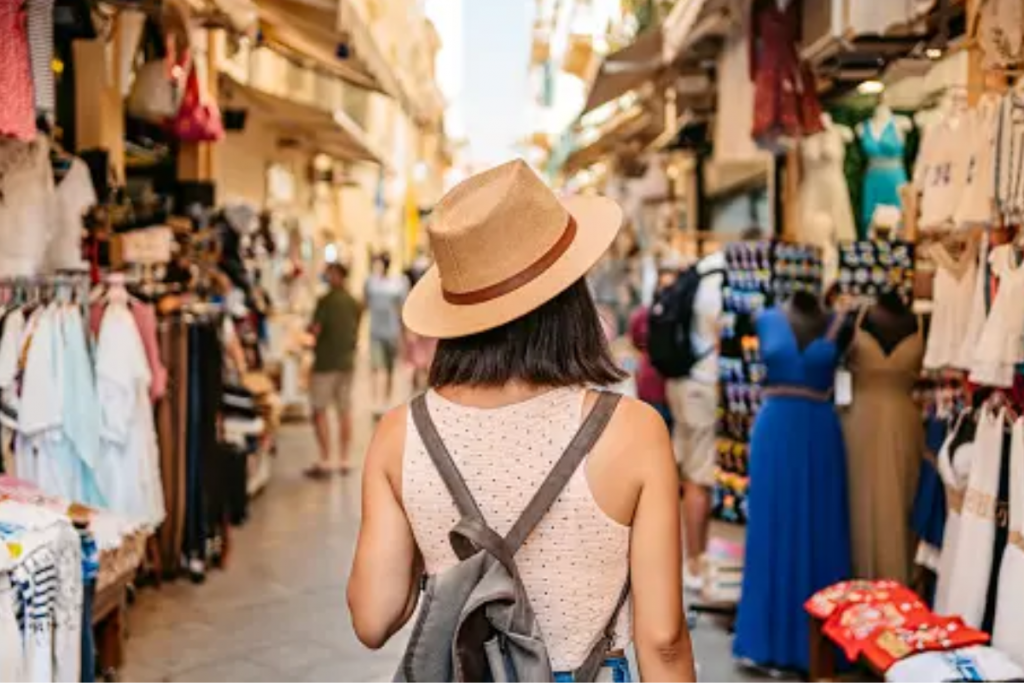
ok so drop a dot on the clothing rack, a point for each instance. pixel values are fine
(29, 289)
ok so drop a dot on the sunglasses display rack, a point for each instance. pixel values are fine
(758, 275)
(868, 269)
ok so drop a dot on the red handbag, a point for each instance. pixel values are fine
(197, 120)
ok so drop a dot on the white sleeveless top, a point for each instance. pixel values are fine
(575, 562)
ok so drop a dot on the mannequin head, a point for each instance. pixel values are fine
(891, 302)
(805, 303)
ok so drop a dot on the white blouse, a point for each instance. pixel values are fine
(1001, 346)
(977, 204)
(954, 297)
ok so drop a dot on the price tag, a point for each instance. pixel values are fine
(844, 387)
(147, 247)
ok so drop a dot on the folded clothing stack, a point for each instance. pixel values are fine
(242, 420)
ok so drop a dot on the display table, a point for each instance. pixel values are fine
(823, 654)
(122, 548)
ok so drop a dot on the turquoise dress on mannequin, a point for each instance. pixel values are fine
(886, 172)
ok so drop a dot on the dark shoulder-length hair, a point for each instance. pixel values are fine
(560, 344)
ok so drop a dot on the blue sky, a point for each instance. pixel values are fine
(483, 71)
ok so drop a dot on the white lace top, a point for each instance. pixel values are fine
(575, 563)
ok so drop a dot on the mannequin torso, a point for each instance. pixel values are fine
(889, 322)
(882, 117)
(807, 317)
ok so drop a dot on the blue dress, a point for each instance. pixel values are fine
(798, 536)
(886, 171)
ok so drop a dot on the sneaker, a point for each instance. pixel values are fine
(691, 582)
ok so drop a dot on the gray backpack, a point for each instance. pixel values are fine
(475, 621)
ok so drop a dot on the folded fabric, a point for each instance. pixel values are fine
(828, 601)
(928, 633)
(978, 663)
(857, 622)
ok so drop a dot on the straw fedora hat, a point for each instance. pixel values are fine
(504, 245)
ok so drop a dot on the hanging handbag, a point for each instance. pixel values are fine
(197, 120)
(156, 92)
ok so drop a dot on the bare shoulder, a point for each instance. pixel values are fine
(634, 451)
(634, 424)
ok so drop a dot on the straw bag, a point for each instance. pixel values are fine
(156, 92)
(155, 95)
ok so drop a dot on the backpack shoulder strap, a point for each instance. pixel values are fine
(453, 481)
(581, 444)
(713, 271)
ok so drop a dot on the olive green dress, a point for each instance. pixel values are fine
(884, 437)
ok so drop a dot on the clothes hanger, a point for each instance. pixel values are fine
(999, 400)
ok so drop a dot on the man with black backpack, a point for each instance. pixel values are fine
(683, 346)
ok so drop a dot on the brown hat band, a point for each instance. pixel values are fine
(520, 279)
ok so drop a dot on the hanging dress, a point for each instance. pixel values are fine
(972, 564)
(1009, 149)
(954, 298)
(954, 463)
(884, 443)
(1001, 345)
(979, 308)
(785, 100)
(1008, 634)
(824, 195)
(798, 535)
(17, 108)
(128, 465)
(977, 203)
(943, 184)
(74, 195)
(886, 173)
(76, 447)
(999, 26)
(26, 203)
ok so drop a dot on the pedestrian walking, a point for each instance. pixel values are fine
(336, 328)
(419, 350)
(384, 295)
(650, 385)
(596, 557)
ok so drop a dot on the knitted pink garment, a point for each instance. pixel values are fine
(575, 563)
(17, 108)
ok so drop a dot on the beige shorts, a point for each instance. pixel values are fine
(694, 406)
(327, 389)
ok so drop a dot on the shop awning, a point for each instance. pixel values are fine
(334, 33)
(240, 16)
(626, 70)
(350, 23)
(672, 49)
(640, 127)
(333, 133)
(678, 25)
(308, 30)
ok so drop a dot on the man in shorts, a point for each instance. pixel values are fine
(384, 296)
(336, 327)
(693, 403)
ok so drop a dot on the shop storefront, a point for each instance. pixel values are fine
(173, 181)
(869, 358)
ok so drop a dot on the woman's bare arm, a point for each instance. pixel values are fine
(660, 633)
(383, 586)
